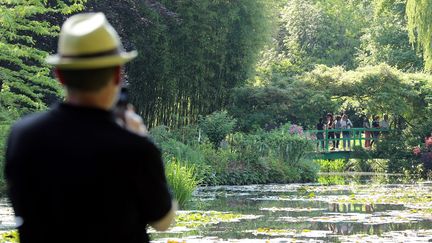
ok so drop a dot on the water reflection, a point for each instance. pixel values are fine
(357, 210)
(311, 211)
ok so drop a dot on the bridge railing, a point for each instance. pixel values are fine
(357, 137)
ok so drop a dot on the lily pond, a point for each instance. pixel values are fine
(362, 209)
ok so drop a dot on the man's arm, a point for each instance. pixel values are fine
(165, 222)
(135, 124)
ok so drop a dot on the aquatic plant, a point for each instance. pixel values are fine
(181, 180)
(337, 165)
(194, 219)
(9, 237)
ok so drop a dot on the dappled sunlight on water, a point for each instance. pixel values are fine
(358, 211)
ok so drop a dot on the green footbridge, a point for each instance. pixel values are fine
(354, 137)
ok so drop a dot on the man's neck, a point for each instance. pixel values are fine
(87, 99)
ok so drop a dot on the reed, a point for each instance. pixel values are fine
(181, 179)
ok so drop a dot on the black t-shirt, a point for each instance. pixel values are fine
(320, 126)
(74, 175)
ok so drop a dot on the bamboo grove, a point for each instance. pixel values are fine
(190, 61)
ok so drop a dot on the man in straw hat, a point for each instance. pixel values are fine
(74, 174)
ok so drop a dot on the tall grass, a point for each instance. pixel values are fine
(181, 179)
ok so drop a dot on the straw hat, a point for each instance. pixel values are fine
(88, 41)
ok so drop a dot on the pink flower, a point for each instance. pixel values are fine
(295, 129)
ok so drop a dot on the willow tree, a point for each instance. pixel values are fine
(386, 39)
(26, 83)
(419, 15)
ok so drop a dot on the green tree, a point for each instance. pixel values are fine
(217, 126)
(282, 101)
(319, 32)
(374, 89)
(419, 15)
(26, 83)
(190, 61)
(386, 39)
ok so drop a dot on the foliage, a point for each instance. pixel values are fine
(188, 153)
(189, 134)
(217, 126)
(289, 100)
(319, 32)
(375, 89)
(217, 159)
(25, 78)
(9, 237)
(275, 156)
(304, 99)
(196, 219)
(331, 180)
(337, 165)
(278, 156)
(419, 27)
(181, 179)
(6, 119)
(189, 60)
(386, 39)
(395, 147)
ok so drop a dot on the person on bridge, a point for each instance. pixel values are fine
(375, 134)
(73, 173)
(320, 135)
(366, 125)
(330, 125)
(338, 126)
(346, 124)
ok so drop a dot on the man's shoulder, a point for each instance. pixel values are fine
(134, 139)
(31, 122)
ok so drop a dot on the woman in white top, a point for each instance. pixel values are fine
(346, 124)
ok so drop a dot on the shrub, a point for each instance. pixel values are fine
(280, 156)
(337, 165)
(160, 134)
(181, 179)
(308, 170)
(189, 135)
(217, 126)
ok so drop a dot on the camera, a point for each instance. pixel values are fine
(123, 99)
(121, 106)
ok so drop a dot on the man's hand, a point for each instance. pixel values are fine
(165, 222)
(134, 122)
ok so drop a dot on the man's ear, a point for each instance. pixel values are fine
(118, 75)
(59, 75)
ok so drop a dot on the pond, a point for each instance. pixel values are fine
(362, 209)
(358, 209)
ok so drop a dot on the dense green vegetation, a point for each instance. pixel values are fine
(224, 84)
(188, 61)
(419, 21)
(281, 155)
(25, 79)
